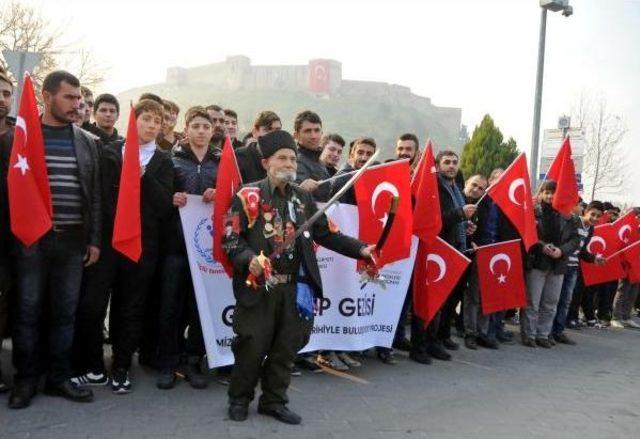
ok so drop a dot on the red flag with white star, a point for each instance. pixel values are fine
(427, 221)
(438, 269)
(500, 276)
(605, 243)
(27, 180)
(512, 194)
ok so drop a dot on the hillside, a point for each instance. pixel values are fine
(380, 117)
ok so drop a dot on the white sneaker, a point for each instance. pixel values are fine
(91, 379)
(630, 324)
(618, 324)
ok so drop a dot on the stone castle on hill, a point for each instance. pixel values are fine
(321, 78)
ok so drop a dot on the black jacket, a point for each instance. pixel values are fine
(193, 177)
(309, 166)
(451, 215)
(6, 140)
(251, 241)
(249, 162)
(349, 197)
(156, 193)
(554, 229)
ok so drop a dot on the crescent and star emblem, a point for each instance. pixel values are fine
(597, 239)
(385, 186)
(622, 234)
(512, 190)
(442, 266)
(495, 259)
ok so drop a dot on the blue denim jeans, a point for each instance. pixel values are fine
(566, 294)
(49, 274)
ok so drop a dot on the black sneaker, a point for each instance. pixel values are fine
(528, 342)
(487, 342)
(543, 343)
(295, 371)
(562, 338)
(402, 345)
(91, 379)
(166, 380)
(386, 356)
(573, 324)
(3, 386)
(120, 383)
(470, 342)
(308, 362)
(450, 344)
(436, 351)
(420, 357)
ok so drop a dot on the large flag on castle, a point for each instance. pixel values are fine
(563, 172)
(512, 194)
(427, 221)
(501, 276)
(438, 269)
(374, 191)
(127, 226)
(27, 180)
(228, 181)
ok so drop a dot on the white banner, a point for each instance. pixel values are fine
(351, 317)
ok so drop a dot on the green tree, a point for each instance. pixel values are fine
(486, 150)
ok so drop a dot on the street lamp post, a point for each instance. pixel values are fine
(545, 5)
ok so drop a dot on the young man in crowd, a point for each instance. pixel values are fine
(585, 217)
(558, 239)
(332, 146)
(487, 227)
(231, 127)
(408, 147)
(6, 140)
(456, 213)
(106, 113)
(219, 131)
(196, 170)
(168, 138)
(249, 157)
(49, 273)
(87, 96)
(116, 275)
(360, 152)
(308, 132)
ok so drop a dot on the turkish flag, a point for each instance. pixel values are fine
(604, 219)
(631, 257)
(228, 181)
(501, 276)
(438, 269)
(627, 229)
(512, 194)
(427, 221)
(127, 229)
(563, 171)
(27, 179)
(374, 191)
(605, 243)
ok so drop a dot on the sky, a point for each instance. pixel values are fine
(477, 55)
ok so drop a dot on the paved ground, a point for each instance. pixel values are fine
(587, 391)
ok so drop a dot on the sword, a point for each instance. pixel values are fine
(290, 239)
(370, 272)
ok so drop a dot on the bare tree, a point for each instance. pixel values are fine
(22, 28)
(603, 162)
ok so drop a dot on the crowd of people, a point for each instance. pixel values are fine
(66, 296)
